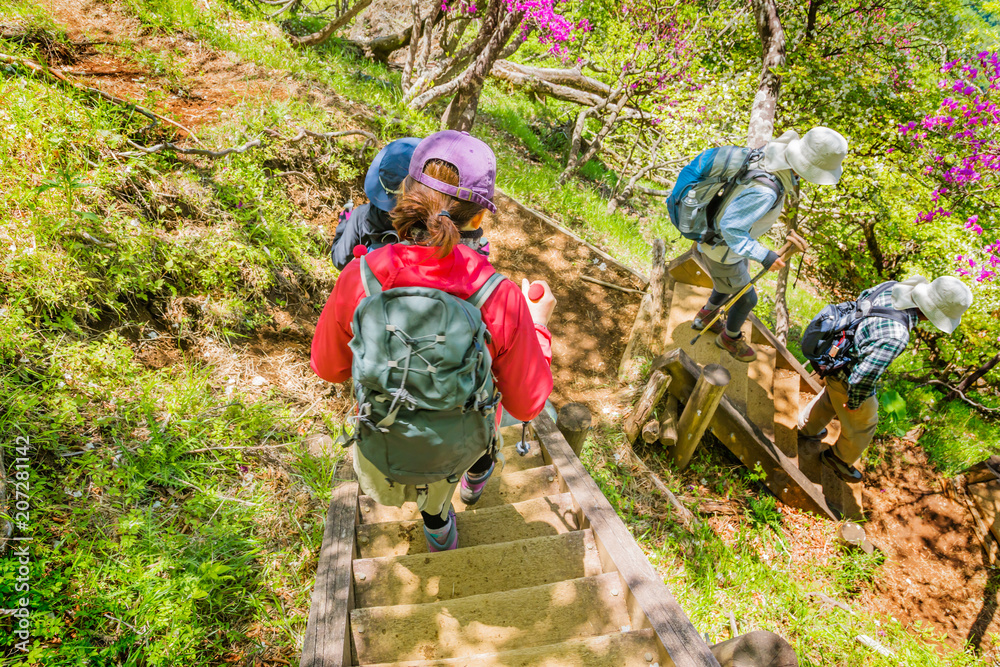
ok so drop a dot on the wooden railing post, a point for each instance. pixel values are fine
(699, 411)
(574, 423)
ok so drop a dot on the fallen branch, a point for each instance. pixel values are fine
(686, 516)
(168, 146)
(611, 285)
(202, 450)
(322, 35)
(298, 174)
(326, 136)
(985, 410)
(652, 191)
(50, 73)
(84, 236)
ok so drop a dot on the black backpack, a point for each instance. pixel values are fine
(828, 340)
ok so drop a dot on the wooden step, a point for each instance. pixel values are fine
(760, 394)
(687, 300)
(684, 305)
(487, 568)
(550, 515)
(514, 461)
(511, 487)
(491, 623)
(636, 648)
(786, 412)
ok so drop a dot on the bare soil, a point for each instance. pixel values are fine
(192, 84)
(935, 571)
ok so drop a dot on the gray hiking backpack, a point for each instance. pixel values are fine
(422, 379)
(706, 185)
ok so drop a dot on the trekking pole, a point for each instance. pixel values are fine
(535, 294)
(793, 244)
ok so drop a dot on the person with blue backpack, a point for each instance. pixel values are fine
(851, 345)
(727, 198)
(433, 337)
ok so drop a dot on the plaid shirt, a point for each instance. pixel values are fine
(877, 343)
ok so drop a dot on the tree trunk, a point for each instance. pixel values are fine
(765, 102)
(811, 20)
(576, 159)
(969, 380)
(874, 249)
(780, 295)
(461, 112)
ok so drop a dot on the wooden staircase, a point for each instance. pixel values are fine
(546, 574)
(758, 420)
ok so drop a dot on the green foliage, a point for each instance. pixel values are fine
(854, 571)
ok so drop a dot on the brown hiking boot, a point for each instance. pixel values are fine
(703, 316)
(736, 347)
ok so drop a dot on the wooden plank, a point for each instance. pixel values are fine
(760, 394)
(687, 269)
(673, 628)
(786, 412)
(747, 442)
(555, 225)
(327, 640)
(785, 358)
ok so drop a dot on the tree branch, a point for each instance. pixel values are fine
(330, 28)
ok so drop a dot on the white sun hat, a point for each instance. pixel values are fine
(815, 157)
(943, 301)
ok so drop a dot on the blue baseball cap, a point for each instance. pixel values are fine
(387, 171)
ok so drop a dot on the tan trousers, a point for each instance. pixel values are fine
(433, 498)
(856, 426)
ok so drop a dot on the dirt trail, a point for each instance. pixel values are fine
(172, 74)
(934, 572)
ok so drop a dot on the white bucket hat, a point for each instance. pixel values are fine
(942, 302)
(815, 157)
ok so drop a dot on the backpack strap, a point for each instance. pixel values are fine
(369, 282)
(868, 310)
(480, 296)
(721, 199)
(768, 179)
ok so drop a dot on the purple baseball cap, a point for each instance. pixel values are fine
(474, 160)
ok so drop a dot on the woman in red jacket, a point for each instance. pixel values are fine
(438, 217)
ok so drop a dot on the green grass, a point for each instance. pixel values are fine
(145, 551)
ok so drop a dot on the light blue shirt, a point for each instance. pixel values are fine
(739, 217)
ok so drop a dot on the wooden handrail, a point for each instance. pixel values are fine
(678, 636)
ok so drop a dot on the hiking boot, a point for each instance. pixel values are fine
(846, 472)
(472, 485)
(704, 315)
(736, 347)
(444, 538)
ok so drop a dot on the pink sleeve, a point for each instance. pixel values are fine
(522, 353)
(331, 354)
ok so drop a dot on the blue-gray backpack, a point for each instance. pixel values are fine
(828, 341)
(704, 187)
(426, 399)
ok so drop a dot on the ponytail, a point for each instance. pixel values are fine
(431, 218)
